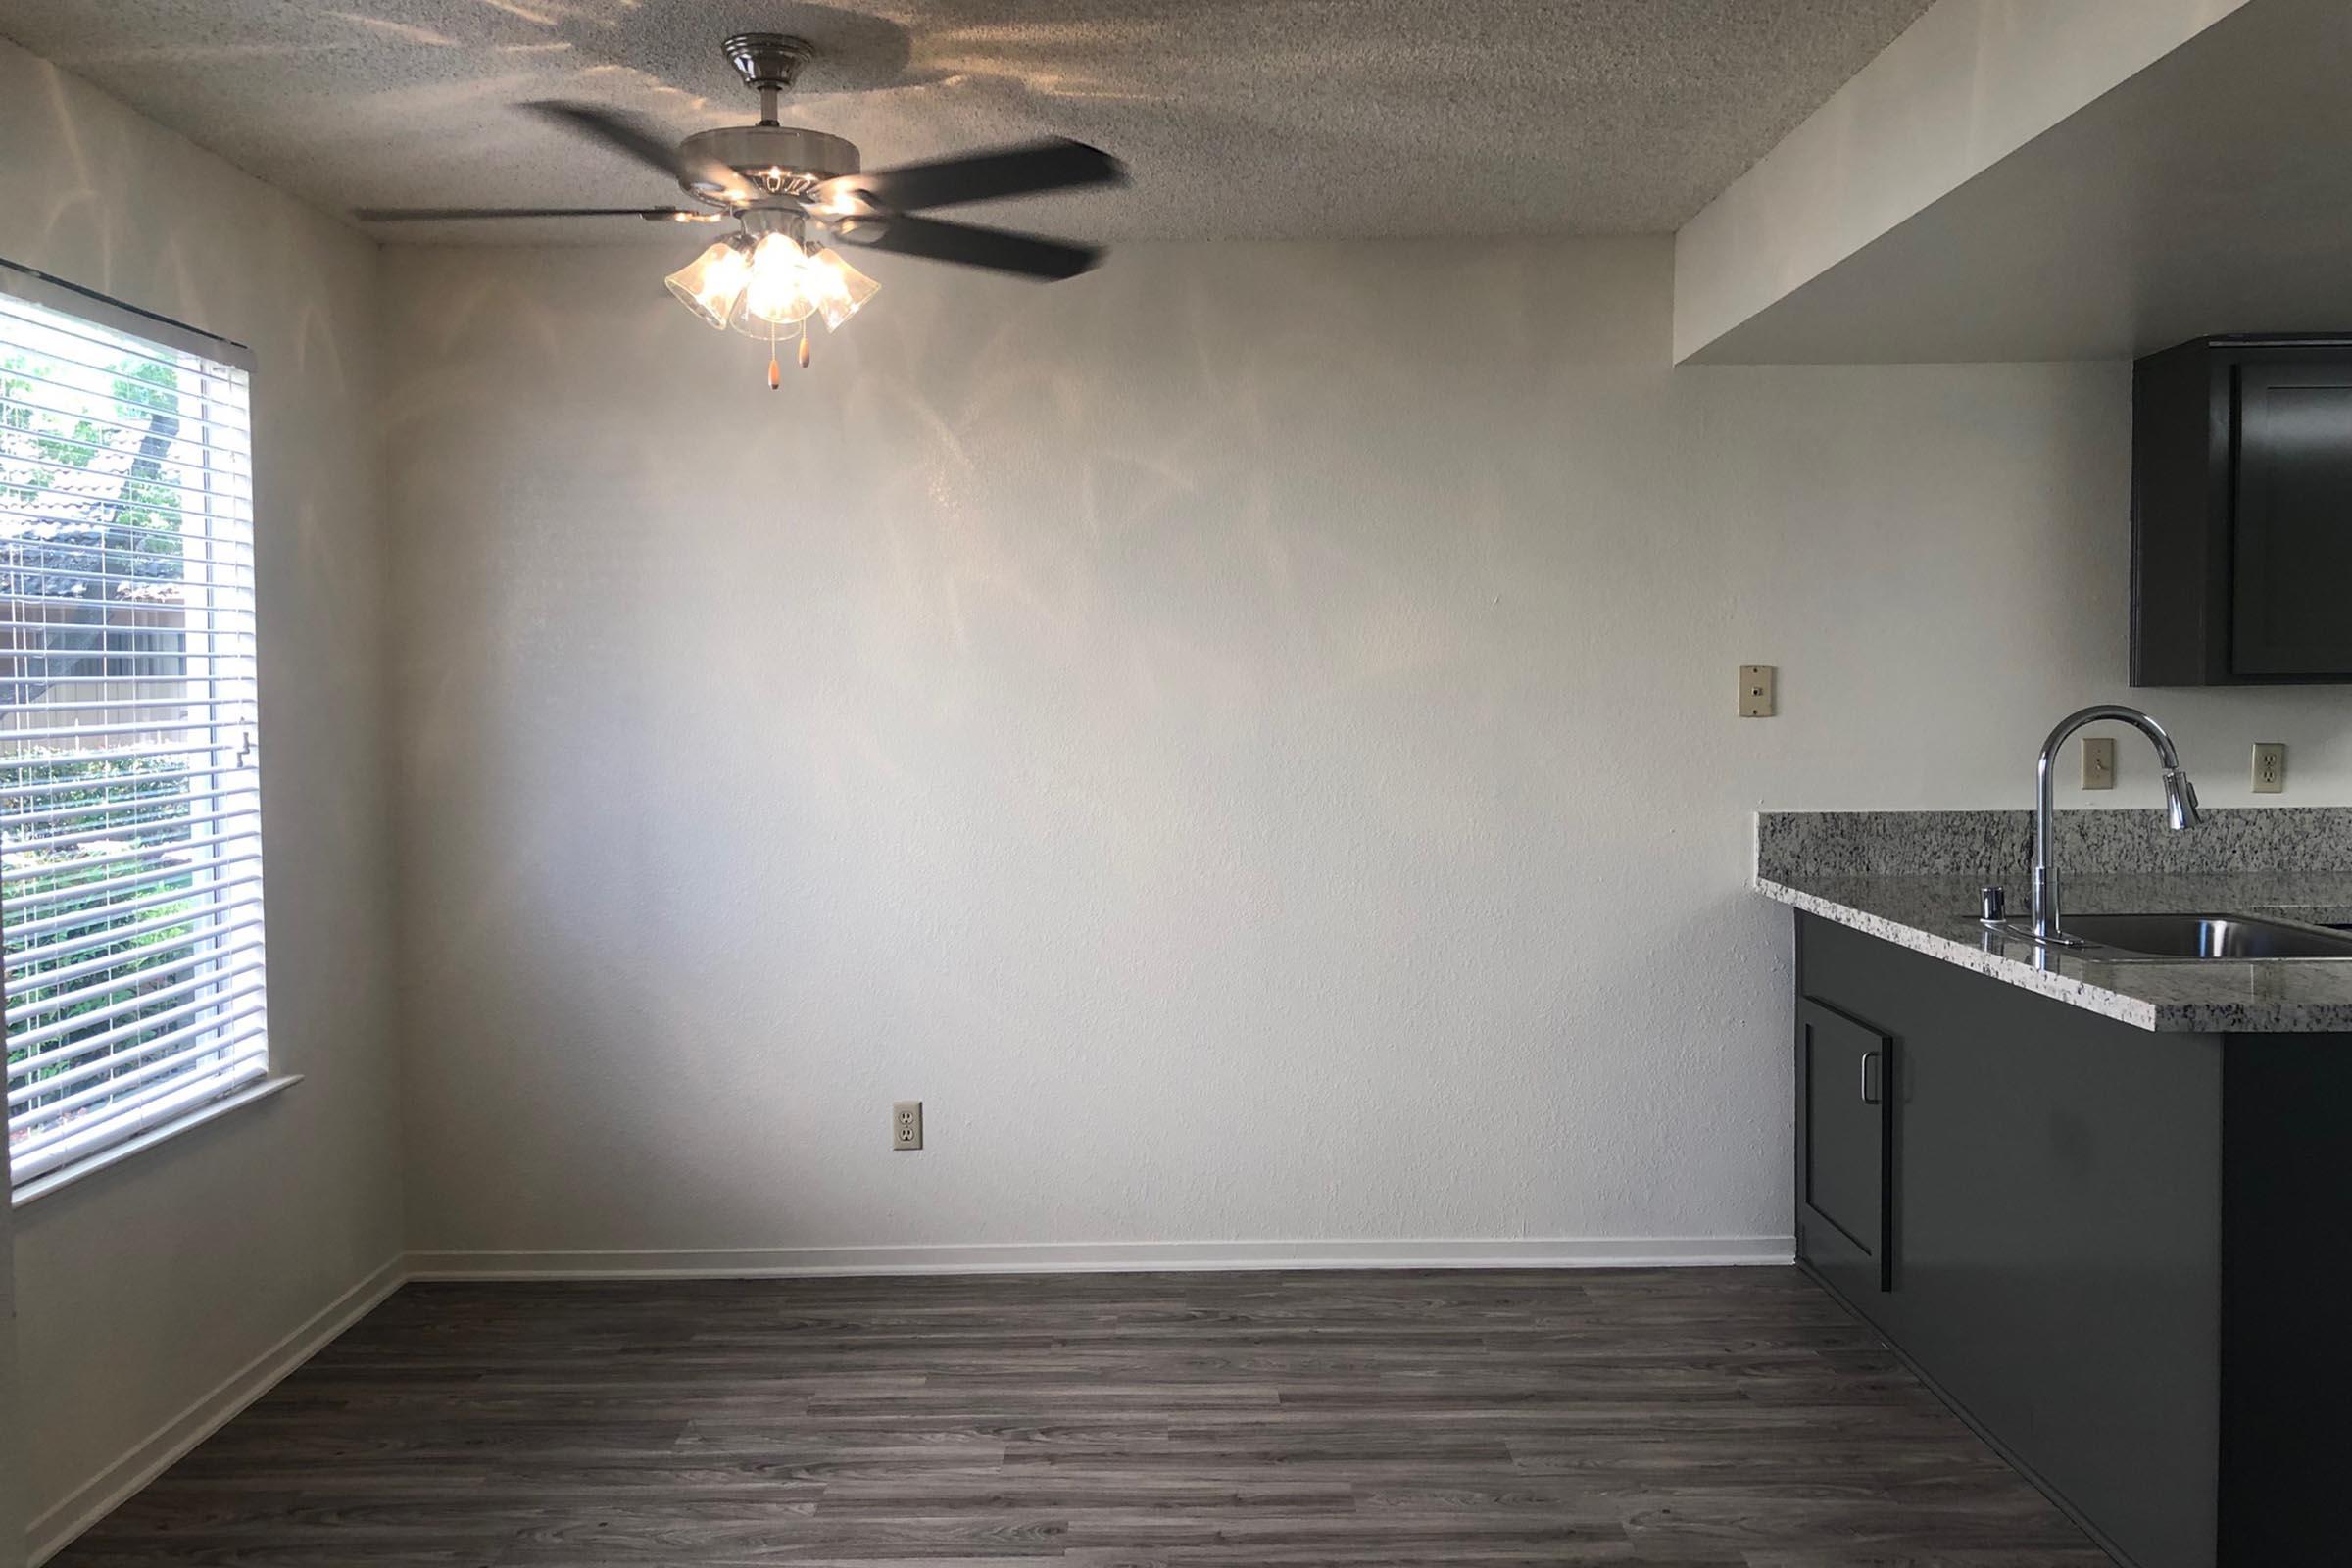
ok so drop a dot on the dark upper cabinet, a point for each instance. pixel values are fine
(2241, 512)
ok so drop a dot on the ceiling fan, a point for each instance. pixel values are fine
(788, 190)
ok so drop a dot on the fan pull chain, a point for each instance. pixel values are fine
(804, 345)
(775, 371)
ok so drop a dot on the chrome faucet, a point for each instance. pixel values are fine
(2180, 800)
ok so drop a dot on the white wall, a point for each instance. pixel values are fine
(2171, 205)
(1245, 736)
(1966, 85)
(141, 1290)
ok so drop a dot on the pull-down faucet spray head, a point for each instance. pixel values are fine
(2180, 800)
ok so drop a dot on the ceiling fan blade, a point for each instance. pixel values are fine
(441, 215)
(1056, 165)
(626, 133)
(967, 244)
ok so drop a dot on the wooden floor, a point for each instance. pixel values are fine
(1690, 1417)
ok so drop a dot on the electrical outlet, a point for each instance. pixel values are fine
(2099, 762)
(1758, 691)
(2269, 768)
(906, 1124)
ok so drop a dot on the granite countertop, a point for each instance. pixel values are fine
(1857, 870)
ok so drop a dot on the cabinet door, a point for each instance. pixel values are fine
(1844, 1148)
(2294, 594)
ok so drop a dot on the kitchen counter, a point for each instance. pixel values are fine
(1914, 878)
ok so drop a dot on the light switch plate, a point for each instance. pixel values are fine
(2269, 768)
(1759, 691)
(2099, 762)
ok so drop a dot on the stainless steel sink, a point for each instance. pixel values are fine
(2208, 936)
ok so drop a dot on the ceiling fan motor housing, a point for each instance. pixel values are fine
(787, 160)
(769, 62)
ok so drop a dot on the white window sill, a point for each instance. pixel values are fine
(115, 1153)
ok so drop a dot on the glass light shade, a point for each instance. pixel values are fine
(837, 288)
(712, 282)
(777, 294)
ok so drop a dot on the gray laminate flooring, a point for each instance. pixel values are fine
(1728, 1417)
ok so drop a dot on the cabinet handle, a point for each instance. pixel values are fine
(1870, 1077)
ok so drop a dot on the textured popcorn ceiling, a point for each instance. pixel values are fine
(1240, 117)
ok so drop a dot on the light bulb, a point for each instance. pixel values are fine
(837, 288)
(777, 294)
(712, 282)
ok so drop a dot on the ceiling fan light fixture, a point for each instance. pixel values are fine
(790, 188)
(837, 288)
(714, 283)
(777, 294)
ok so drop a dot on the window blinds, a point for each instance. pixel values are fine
(130, 852)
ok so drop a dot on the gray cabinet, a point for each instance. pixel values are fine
(2293, 522)
(1844, 1205)
(2241, 512)
(2117, 1253)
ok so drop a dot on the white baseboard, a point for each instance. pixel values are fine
(1074, 1257)
(106, 1490)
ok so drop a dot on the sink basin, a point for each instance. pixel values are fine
(2208, 936)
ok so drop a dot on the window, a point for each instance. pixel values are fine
(130, 852)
